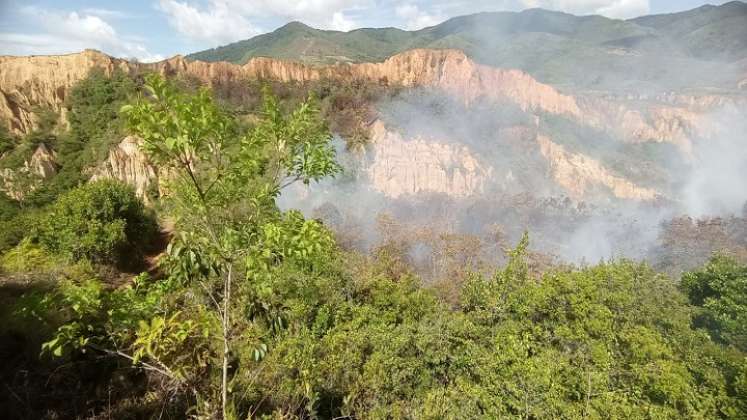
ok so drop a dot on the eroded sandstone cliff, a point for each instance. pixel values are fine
(578, 174)
(44, 81)
(400, 166)
(127, 163)
(28, 82)
(42, 165)
(403, 166)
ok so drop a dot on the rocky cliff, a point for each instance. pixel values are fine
(28, 82)
(127, 163)
(41, 166)
(44, 81)
(400, 166)
(579, 174)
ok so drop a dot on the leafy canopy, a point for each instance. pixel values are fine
(102, 221)
(719, 290)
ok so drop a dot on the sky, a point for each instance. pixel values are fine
(151, 30)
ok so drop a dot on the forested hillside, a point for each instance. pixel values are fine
(253, 311)
(698, 48)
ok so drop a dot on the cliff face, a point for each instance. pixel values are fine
(400, 166)
(127, 163)
(44, 81)
(449, 70)
(17, 183)
(578, 174)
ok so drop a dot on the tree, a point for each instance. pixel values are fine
(102, 221)
(223, 192)
(719, 290)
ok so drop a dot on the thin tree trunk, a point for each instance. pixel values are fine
(226, 349)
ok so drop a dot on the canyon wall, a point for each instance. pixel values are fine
(402, 166)
(40, 166)
(44, 81)
(578, 174)
(127, 163)
(33, 82)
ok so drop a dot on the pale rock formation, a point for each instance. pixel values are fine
(453, 72)
(43, 162)
(41, 166)
(127, 163)
(654, 122)
(400, 167)
(577, 174)
(45, 81)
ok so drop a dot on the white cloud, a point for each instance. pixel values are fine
(417, 19)
(106, 13)
(64, 33)
(341, 23)
(224, 21)
(218, 23)
(310, 10)
(624, 9)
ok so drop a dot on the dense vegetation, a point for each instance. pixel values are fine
(102, 222)
(255, 312)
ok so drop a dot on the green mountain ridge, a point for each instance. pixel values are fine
(650, 51)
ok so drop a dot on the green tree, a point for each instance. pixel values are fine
(223, 194)
(102, 221)
(719, 290)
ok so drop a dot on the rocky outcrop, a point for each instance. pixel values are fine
(42, 165)
(579, 174)
(43, 162)
(27, 82)
(44, 81)
(449, 70)
(400, 167)
(127, 163)
(453, 72)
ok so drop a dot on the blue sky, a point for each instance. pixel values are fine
(155, 29)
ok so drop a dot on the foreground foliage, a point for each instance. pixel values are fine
(258, 313)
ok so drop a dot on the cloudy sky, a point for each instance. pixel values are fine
(154, 29)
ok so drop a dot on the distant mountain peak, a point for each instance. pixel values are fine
(294, 25)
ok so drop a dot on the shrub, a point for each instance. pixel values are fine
(719, 291)
(15, 223)
(102, 221)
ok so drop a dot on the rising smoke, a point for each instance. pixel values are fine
(521, 194)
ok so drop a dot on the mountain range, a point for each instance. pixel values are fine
(703, 47)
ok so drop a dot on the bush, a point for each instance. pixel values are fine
(719, 290)
(28, 257)
(102, 221)
(7, 142)
(15, 223)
